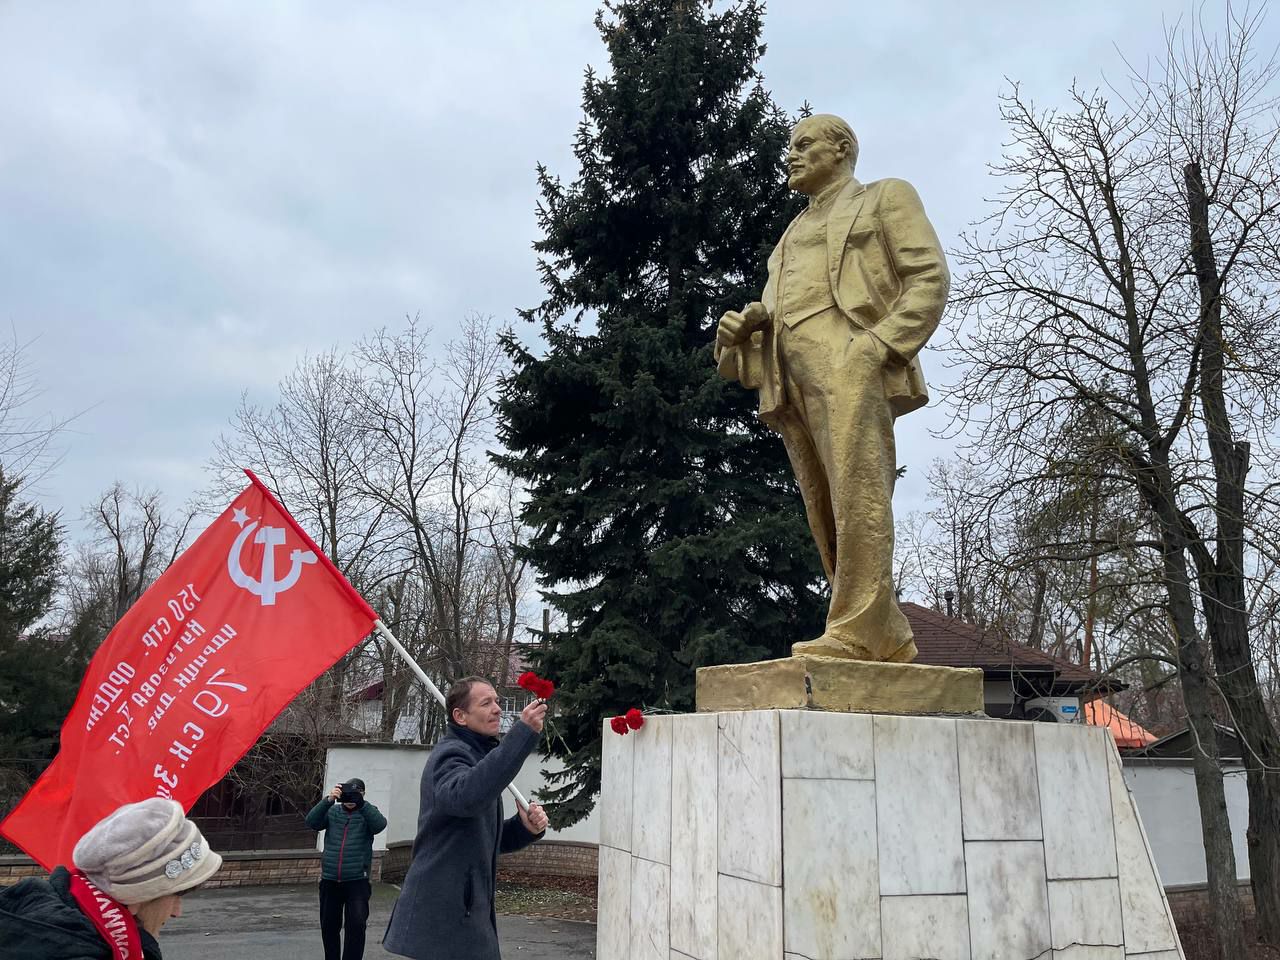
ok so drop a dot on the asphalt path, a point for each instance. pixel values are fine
(283, 922)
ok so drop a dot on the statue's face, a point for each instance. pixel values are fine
(813, 161)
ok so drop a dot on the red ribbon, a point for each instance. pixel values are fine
(113, 920)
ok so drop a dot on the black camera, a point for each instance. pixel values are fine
(352, 792)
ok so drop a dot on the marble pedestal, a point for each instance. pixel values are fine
(804, 835)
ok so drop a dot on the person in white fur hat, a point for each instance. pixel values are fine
(131, 870)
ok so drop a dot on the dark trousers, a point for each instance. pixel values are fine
(336, 899)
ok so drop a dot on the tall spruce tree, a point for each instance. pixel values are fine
(38, 677)
(667, 529)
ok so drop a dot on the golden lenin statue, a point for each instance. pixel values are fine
(857, 285)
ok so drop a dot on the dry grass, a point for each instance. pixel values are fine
(1199, 942)
(536, 895)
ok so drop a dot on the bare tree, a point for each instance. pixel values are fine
(381, 454)
(133, 539)
(309, 448)
(430, 421)
(1013, 566)
(1127, 281)
(26, 437)
(503, 536)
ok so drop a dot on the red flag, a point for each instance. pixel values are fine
(189, 678)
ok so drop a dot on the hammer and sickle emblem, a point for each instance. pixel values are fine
(266, 587)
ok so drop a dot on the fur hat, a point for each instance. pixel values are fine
(145, 850)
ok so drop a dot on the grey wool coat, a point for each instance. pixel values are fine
(445, 910)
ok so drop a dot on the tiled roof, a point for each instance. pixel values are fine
(1127, 734)
(946, 642)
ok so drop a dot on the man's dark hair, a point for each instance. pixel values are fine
(459, 695)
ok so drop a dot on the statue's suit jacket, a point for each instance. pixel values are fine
(888, 275)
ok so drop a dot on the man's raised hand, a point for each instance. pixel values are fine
(534, 714)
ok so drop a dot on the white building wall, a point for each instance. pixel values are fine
(1165, 792)
(393, 775)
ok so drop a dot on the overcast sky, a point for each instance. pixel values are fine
(193, 195)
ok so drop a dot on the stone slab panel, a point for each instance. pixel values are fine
(651, 790)
(998, 786)
(934, 927)
(1008, 900)
(827, 745)
(750, 920)
(918, 806)
(1075, 801)
(831, 900)
(615, 789)
(613, 919)
(1085, 921)
(749, 811)
(1146, 922)
(693, 835)
(650, 910)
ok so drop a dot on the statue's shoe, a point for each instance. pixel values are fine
(827, 646)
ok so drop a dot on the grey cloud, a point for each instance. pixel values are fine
(193, 195)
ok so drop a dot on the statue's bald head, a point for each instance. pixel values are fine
(821, 154)
(832, 129)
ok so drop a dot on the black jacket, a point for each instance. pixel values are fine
(40, 920)
(445, 910)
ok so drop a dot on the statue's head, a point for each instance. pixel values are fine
(823, 149)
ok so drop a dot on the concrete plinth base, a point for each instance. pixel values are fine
(846, 686)
(805, 835)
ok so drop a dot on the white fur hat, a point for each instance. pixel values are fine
(145, 850)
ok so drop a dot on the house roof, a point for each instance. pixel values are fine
(1127, 734)
(294, 724)
(1181, 745)
(946, 642)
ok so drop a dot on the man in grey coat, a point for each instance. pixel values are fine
(446, 907)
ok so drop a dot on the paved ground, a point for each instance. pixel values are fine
(282, 922)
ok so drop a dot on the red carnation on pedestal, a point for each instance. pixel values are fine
(633, 719)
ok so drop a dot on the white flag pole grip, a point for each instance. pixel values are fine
(388, 636)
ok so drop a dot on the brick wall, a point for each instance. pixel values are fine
(13, 869)
(247, 868)
(558, 858)
(396, 861)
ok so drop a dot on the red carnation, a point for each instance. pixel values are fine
(540, 688)
(619, 725)
(634, 719)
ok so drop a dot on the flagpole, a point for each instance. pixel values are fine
(388, 636)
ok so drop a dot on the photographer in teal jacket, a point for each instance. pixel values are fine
(349, 823)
